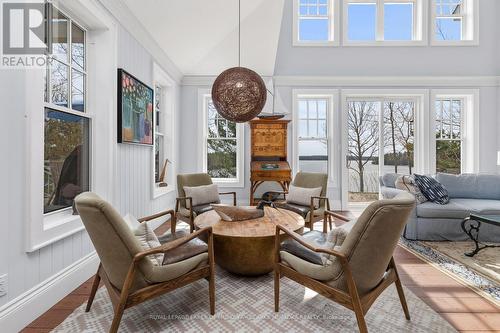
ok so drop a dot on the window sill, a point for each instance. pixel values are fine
(386, 43)
(455, 43)
(229, 183)
(329, 43)
(161, 191)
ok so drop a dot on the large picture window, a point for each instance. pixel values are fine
(380, 140)
(67, 126)
(222, 142)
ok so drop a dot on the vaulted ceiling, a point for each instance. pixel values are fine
(201, 36)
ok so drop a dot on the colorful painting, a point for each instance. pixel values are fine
(135, 110)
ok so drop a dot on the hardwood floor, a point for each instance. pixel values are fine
(463, 308)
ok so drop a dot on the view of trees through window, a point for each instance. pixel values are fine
(221, 145)
(380, 140)
(448, 135)
(66, 141)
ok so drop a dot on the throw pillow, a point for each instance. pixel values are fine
(302, 195)
(202, 195)
(432, 189)
(407, 183)
(146, 237)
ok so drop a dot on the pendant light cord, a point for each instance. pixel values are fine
(239, 33)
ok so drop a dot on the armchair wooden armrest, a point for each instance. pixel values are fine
(176, 243)
(328, 212)
(232, 193)
(157, 215)
(303, 242)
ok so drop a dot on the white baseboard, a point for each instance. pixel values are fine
(25, 308)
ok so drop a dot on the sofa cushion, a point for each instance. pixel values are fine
(407, 183)
(453, 209)
(432, 189)
(476, 186)
(481, 206)
(389, 179)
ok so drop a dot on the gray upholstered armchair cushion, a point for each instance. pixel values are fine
(368, 246)
(116, 245)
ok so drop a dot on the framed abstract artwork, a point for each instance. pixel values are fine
(135, 110)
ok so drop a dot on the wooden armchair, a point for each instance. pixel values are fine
(186, 212)
(314, 212)
(352, 275)
(129, 276)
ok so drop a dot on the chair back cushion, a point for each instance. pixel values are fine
(112, 238)
(302, 195)
(203, 194)
(191, 180)
(370, 243)
(312, 180)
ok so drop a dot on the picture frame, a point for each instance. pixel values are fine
(135, 110)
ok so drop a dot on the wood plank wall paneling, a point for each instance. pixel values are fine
(132, 193)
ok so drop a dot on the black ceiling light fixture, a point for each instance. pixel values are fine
(239, 94)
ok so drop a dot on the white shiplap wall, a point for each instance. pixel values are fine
(132, 191)
(134, 163)
(25, 270)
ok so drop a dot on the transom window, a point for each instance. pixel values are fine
(314, 21)
(313, 134)
(383, 20)
(454, 20)
(448, 129)
(67, 125)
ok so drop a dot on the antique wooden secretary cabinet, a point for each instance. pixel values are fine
(269, 154)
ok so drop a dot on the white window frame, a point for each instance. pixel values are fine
(167, 126)
(331, 95)
(420, 24)
(469, 127)
(239, 182)
(421, 99)
(333, 24)
(470, 25)
(45, 229)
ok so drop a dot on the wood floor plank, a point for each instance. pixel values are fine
(473, 321)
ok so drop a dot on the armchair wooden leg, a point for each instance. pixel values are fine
(276, 289)
(173, 224)
(117, 318)
(360, 317)
(401, 293)
(191, 225)
(95, 286)
(211, 282)
(330, 222)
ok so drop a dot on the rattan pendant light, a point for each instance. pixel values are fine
(239, 94)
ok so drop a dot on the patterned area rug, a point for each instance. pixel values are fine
(481, 273)
(246, 305)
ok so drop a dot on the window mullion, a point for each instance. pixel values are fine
(379, 34)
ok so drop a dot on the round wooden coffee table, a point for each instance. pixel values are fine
(246, 247)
